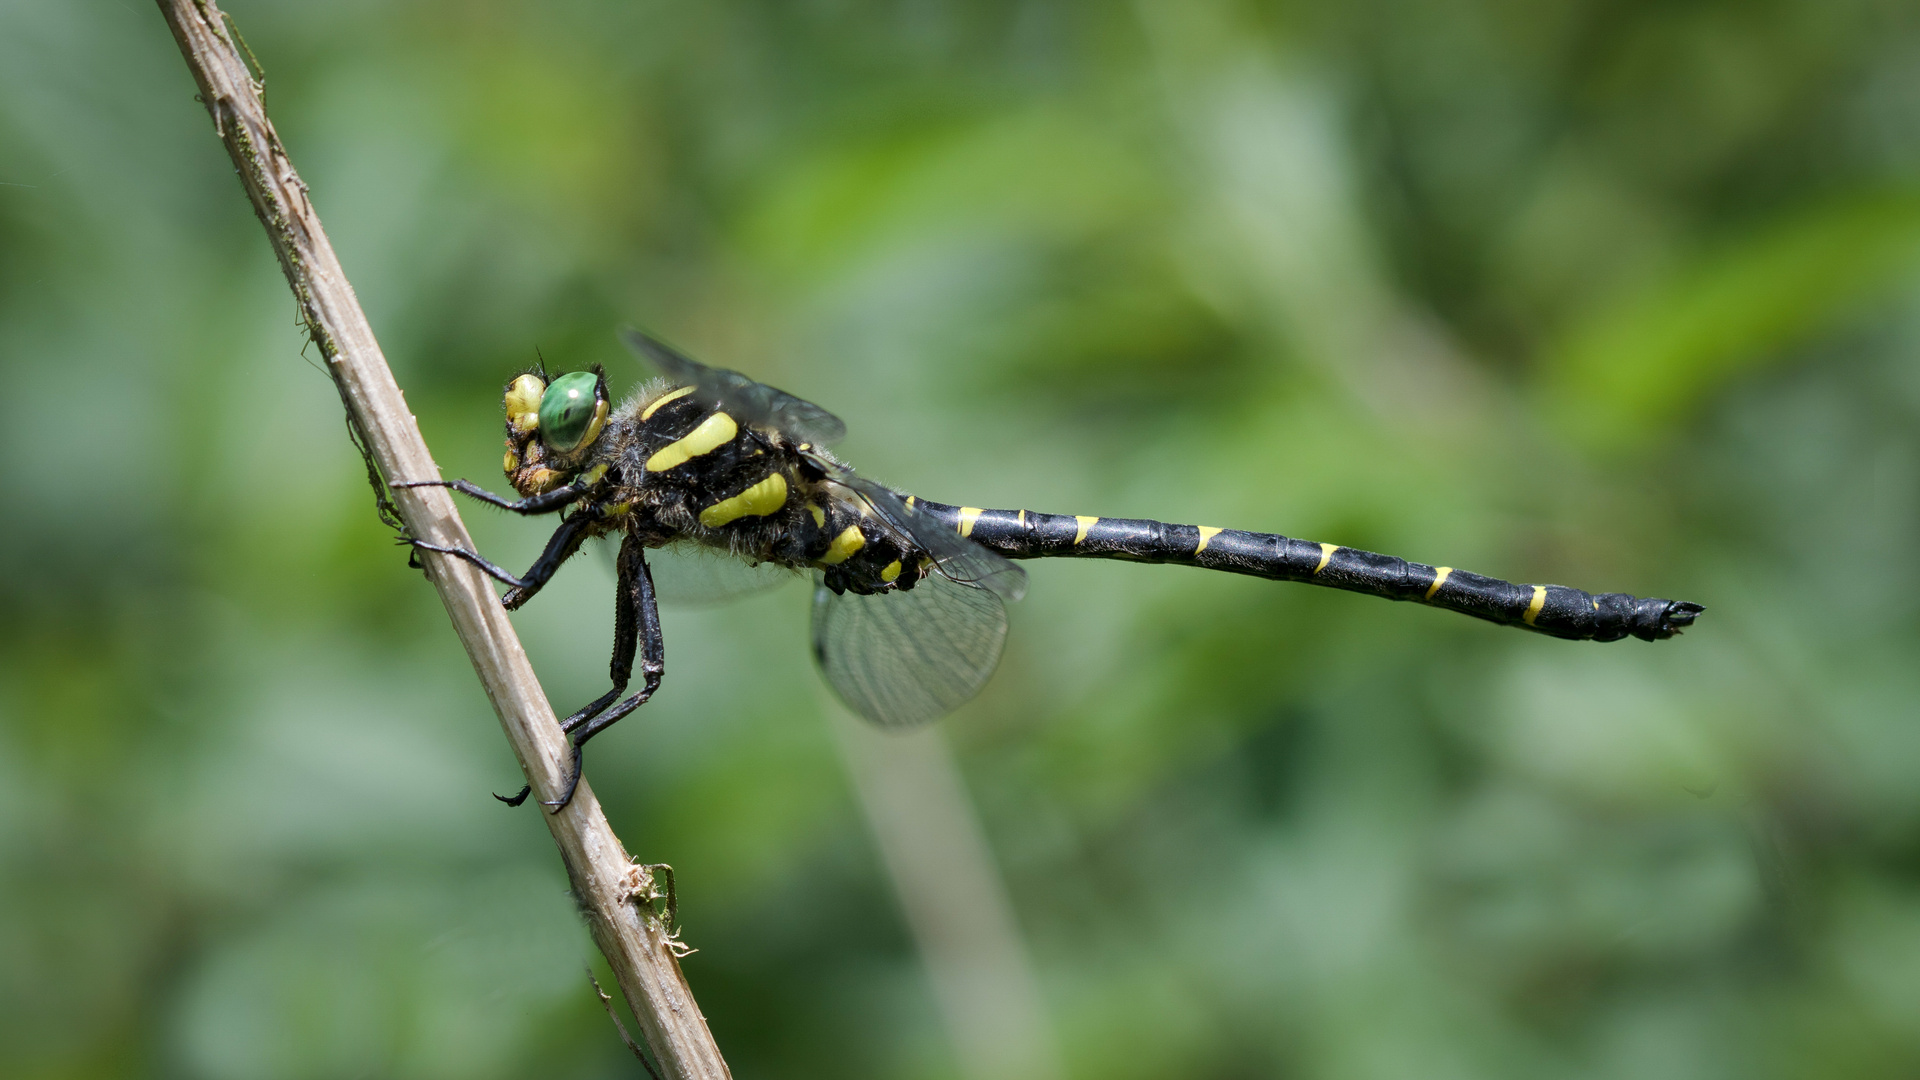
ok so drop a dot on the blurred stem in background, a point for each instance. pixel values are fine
(949, 885)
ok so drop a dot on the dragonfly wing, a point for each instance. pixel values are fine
(958, 559)
(753, 403)
(687, 574)
(906, 657)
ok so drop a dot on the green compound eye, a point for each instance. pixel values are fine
(570, 411)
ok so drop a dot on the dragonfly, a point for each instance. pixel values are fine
(909, 604)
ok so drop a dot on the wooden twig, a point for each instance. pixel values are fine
(604, 879)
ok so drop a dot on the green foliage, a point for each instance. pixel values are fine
(1641, 366)
(1614, 295)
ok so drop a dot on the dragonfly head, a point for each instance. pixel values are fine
(552, 426)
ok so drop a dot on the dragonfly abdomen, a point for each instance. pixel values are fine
(1555, 610)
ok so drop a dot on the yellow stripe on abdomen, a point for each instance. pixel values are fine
(968, 515)
(1326, 556)
(1439, 578)
(1207, 533)
(759, 500)
(849, 541)
(1085, 524)
(1539, 602)
(714, 432)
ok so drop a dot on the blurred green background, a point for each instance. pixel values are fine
(1619, 295)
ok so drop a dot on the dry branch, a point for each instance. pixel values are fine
(604, 879)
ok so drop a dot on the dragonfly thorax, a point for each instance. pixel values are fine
(671, 465)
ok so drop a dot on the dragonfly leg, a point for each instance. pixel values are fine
(626, 638)
(543, 503)
(636, 616)
(562, 546)
(636, 627)
(491, 569)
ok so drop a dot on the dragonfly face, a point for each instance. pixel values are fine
(552, 430)
(908, 617)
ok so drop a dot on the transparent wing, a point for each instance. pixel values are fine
(959, 559)
(906, 657)
(686, 574)
(753, 403)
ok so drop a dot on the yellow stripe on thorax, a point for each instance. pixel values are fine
(1539, 602)
(1439, 578)
(759, 500)
(1207, 533)
(890, 572)
(1085, 524)
(1326, 556)
(714, 432)
(654, 406)
(849, 541)
(968, 515)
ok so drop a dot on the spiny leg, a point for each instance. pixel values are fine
(636, 627)
(566, 541)
(543, 503)
(653, 651)
(491, 569)
(625, 643)
(626, 635)
(564, 544)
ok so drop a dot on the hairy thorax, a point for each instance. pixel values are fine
(666, 466)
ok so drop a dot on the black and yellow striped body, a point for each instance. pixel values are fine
(677, 467)
(717, 459)
(1548, 609)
